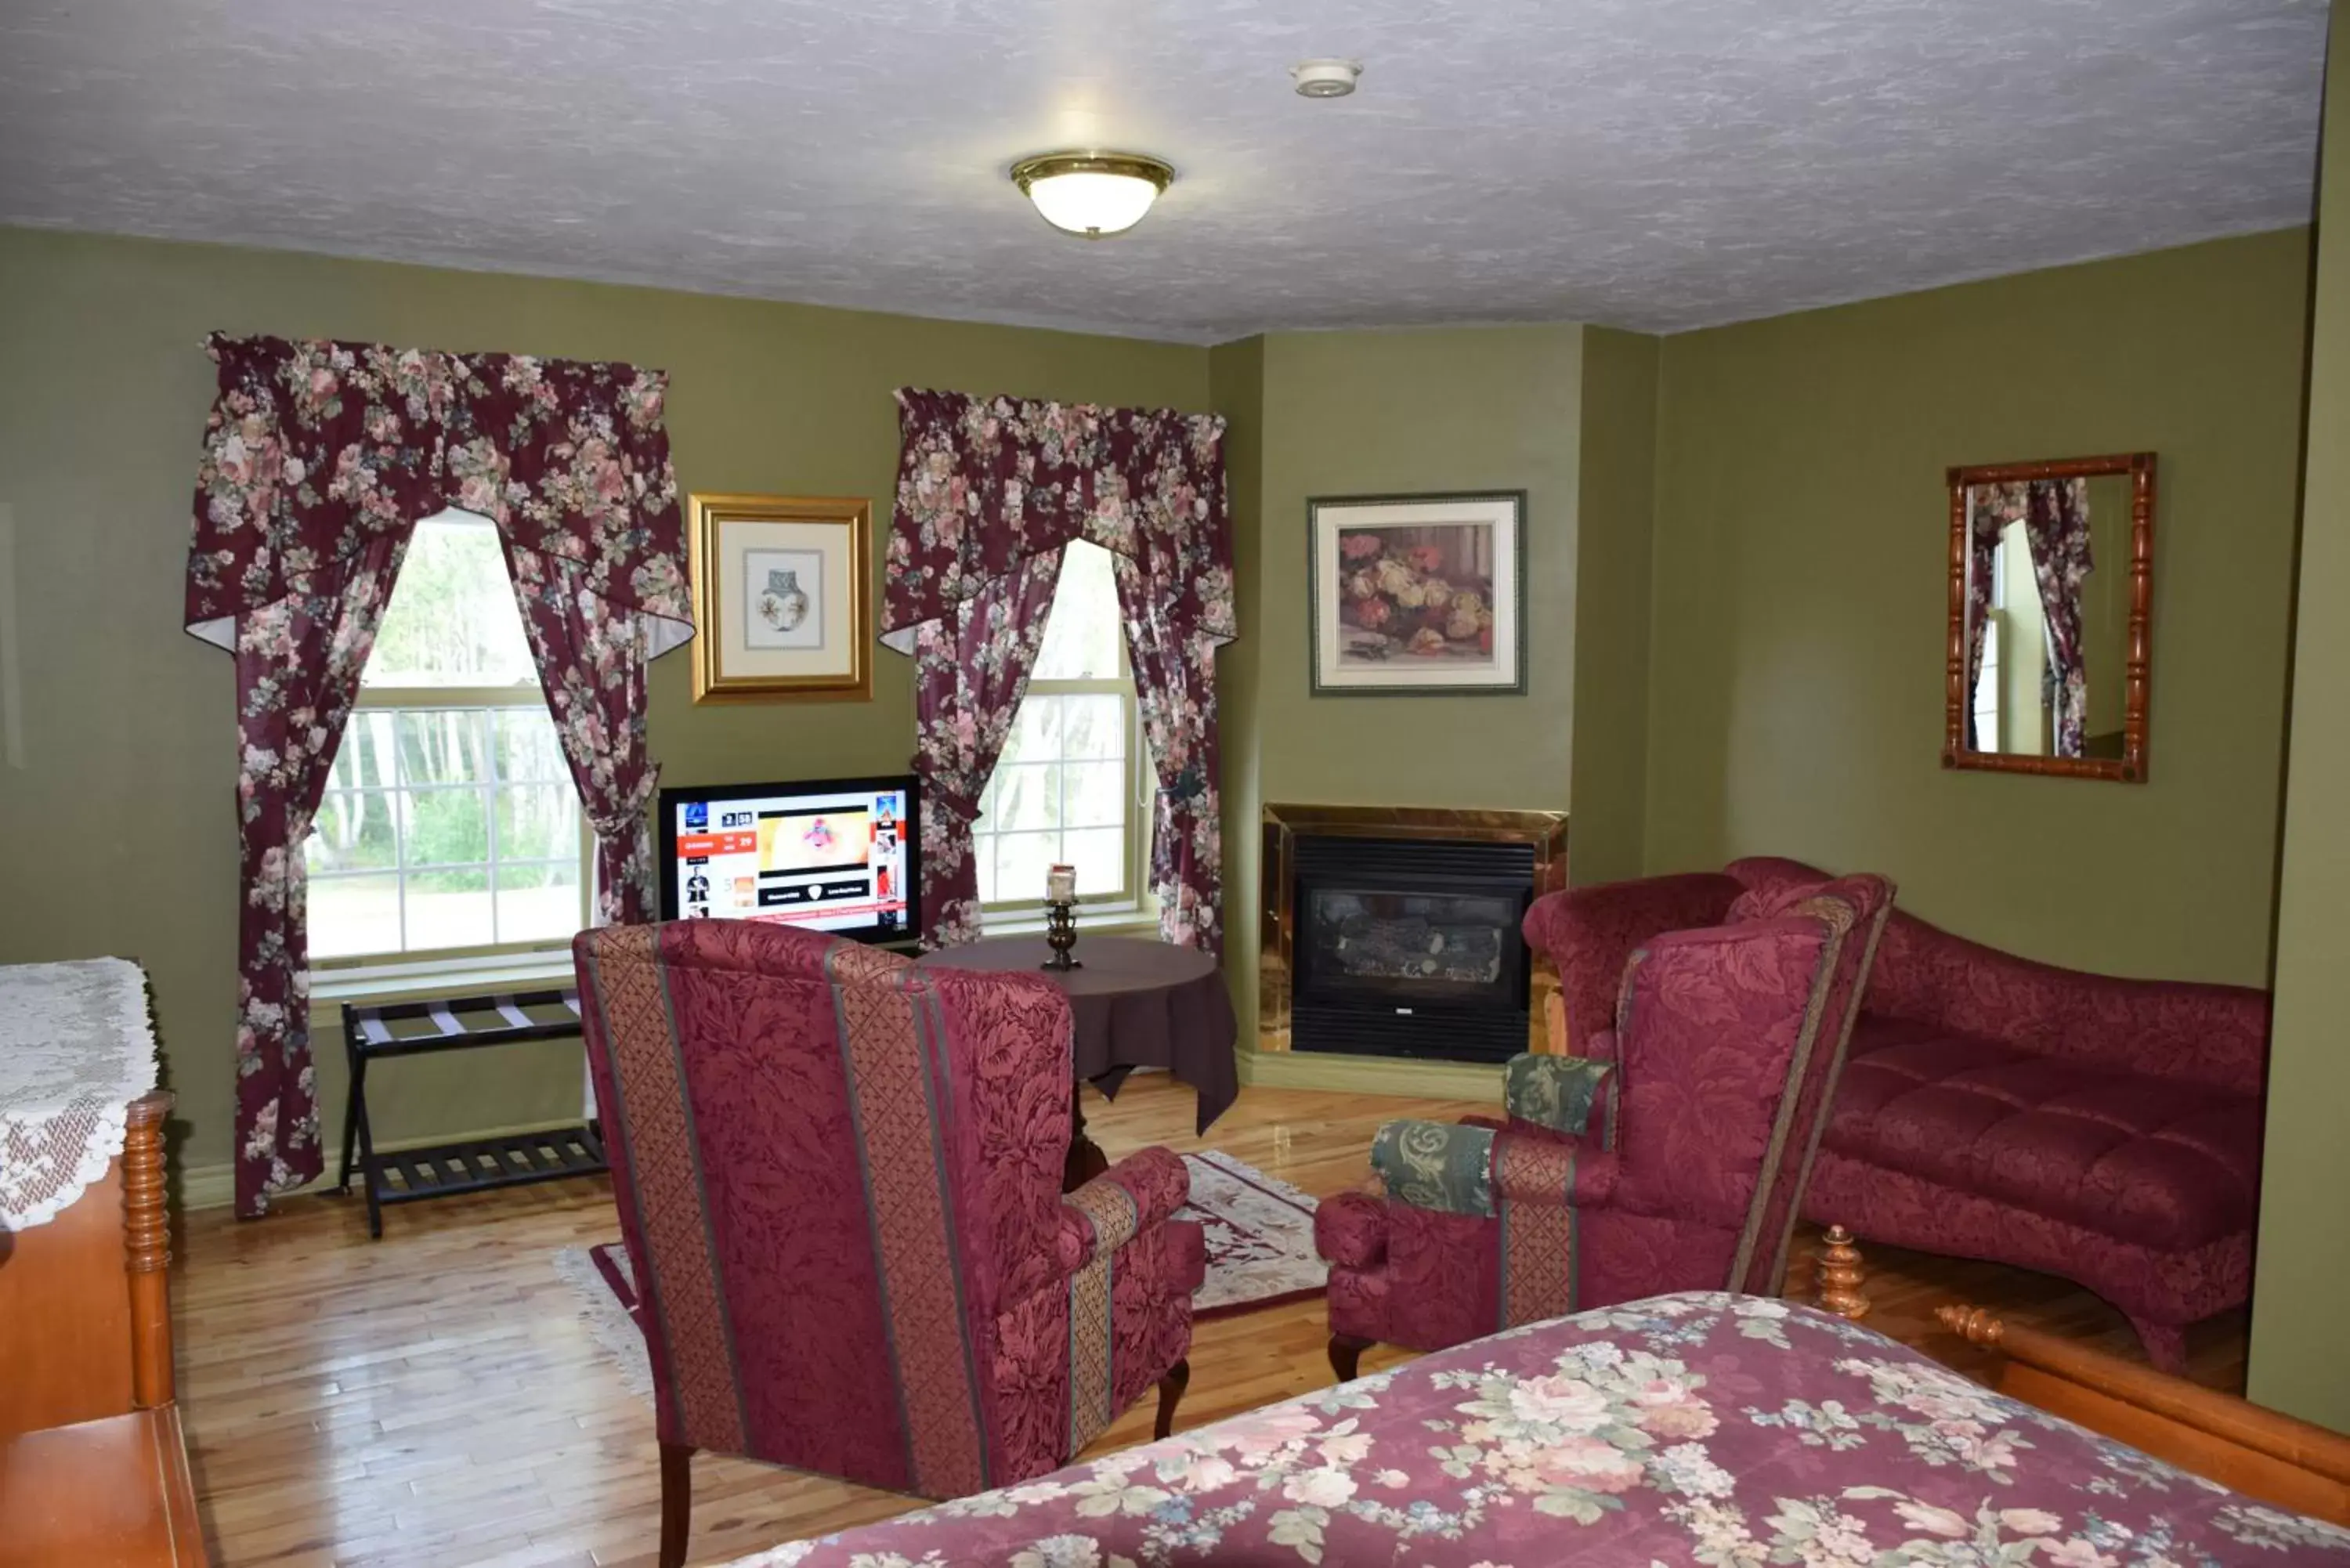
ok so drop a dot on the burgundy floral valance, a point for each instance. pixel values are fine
(983, 484)
(316, 447)
(319, 460)
(989, 490)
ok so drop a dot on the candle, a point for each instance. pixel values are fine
(1061, 885)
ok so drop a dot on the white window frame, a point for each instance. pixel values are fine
(1141, 796)
(422, 963)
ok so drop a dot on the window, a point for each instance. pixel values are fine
(1068, 788)
(449, 821)
(1987, 678)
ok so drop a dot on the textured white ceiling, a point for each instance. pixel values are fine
(1657, 164)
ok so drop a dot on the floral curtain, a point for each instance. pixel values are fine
(987, 487)
(319, 458)
(2055, 515)
(968, 682)
(2057, 522)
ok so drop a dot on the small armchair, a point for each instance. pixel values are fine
(1671, 1155)
(838, 1179)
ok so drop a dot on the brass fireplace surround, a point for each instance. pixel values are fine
(1276, 921)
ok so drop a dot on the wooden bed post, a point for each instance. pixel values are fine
(1841, 1274)
(2265, 1453)
(146, 1247)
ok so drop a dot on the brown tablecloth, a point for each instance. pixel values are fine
(1139, 1003)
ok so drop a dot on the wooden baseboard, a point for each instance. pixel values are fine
(214, 1186)
(1385, 1075)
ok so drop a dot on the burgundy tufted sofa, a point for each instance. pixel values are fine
(2103, 1130)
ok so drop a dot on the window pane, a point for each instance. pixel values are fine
(444, 745)
(1095, 794)
(984, 854)
(452, 620)
(364, 759)
(1082, 638)
(446, 826)
(449, 909)
(353, 915)
(1026, 795)
(535, 902)
(1093, 726)
(528, 748)
(352, 833)
(538, 822)
(1036, 732)
(1099, 856)
(1021, 862)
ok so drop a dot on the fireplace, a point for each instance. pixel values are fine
(1396, 933)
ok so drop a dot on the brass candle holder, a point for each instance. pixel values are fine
(1060, 935)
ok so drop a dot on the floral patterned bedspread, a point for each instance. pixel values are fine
(1695, 1429)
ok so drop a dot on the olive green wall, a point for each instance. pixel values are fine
(1617, 536)
(118, 831)
(2302, 1265)
(1797, 656)
(1354, 414)
(1236, 391)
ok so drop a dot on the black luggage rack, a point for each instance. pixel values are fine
(475, 1165)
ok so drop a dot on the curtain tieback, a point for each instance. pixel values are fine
(958, 800)
(618, 823)
(1190, 785)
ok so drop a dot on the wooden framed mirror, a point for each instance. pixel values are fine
(2051, 591)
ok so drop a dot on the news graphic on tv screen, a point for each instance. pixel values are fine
(831, 861)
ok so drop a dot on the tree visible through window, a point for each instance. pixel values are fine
(450, 822)
(1067, 788)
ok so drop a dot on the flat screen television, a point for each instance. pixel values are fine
(841, 855)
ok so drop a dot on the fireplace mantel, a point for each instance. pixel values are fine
(1544, 831)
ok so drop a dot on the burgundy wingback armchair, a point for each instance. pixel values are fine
(2103, 1130)
(1668, 1155)
(838, 1179)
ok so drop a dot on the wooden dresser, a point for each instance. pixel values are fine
(93, 1472)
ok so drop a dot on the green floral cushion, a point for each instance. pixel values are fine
(1437, 1165)
(1560, 1092)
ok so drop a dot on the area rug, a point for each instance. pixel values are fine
(1259, 1229)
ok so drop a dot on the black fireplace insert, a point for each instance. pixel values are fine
(1409, 946)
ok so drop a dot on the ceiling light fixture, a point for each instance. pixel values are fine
(1326, 79)
(1095, 194)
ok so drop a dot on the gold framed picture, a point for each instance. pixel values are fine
(781, 594)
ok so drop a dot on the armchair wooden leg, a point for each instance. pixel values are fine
(1346, 1356)
(1841, 1276)
(1170, 1393)
(677, 1501)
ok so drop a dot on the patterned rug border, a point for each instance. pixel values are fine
(1273, 1186)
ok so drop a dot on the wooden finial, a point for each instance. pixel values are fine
(1974, 1325)
(1840, 1276)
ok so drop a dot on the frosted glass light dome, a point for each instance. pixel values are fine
(1092, 194)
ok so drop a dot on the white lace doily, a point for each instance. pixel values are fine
(74, 1050)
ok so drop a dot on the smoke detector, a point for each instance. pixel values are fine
(1326, 79)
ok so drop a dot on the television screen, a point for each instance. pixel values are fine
(839, 856)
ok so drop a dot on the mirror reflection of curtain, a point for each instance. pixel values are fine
(2055, 515)
(2057, 522)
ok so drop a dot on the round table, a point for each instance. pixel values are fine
(1137, 1002)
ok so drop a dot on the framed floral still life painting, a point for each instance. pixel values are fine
(1417, 593)
(781, 597)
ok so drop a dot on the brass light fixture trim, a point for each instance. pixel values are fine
(1031, 173)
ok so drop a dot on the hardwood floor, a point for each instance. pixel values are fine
(435, 1398)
